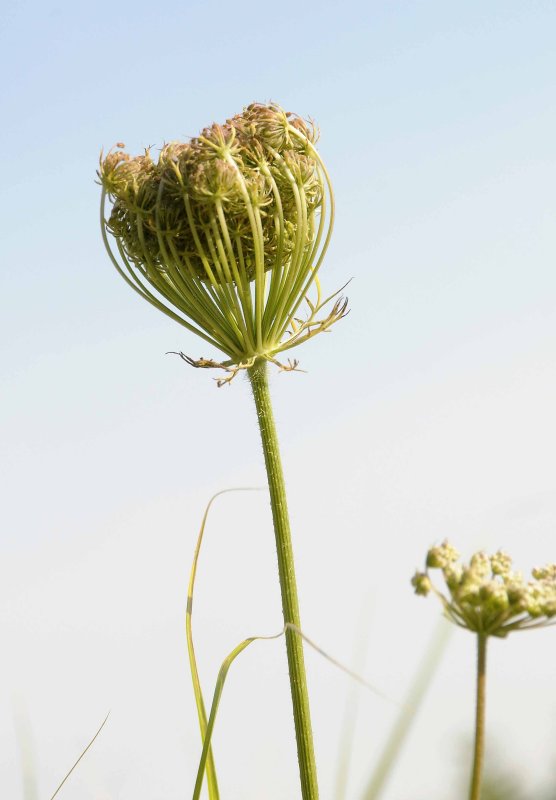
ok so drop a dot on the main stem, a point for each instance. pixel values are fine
(290, 606)
(479, 752)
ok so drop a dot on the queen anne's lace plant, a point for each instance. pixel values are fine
(225, 233)
(487, 596)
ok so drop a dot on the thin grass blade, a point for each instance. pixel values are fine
(417, 690)
(212, 782)
(81, 756)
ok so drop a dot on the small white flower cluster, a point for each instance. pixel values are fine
(487, 596)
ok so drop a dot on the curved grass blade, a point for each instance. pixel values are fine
(206, 763)
(212, 782)
(220, 681)
(222, 675)
(338, 664)
(81, 756)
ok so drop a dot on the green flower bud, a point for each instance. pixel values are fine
(548, 572)
(469, 594)
(453, 575)
(421, 583)
(480, 565)
(518, 596)
(549, 607)
(225, 233)
(442, 555)
(534, 602)
(501, 563)
(494, 596)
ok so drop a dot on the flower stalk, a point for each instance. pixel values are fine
(288, 585)
(489, 598)
(480, 713)
(225, 234)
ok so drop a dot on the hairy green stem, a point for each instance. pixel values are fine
(290, 606)
(479, 751)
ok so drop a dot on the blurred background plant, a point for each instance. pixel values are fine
(489, 598)
(502, 781)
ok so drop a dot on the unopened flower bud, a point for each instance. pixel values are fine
(421, 583)
(480, 564)
(441, 555)
(226, 232)
(501, 563)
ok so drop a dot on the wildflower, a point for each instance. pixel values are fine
(486, 596)
(489, 598)
(226, 233)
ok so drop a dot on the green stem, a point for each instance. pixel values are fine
(290, 606)
(478, 755)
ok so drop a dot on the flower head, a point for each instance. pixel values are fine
(486, 596)
(225, 233)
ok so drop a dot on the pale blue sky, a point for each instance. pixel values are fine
(428, 412)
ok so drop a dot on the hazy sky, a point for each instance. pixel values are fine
(428, 412)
